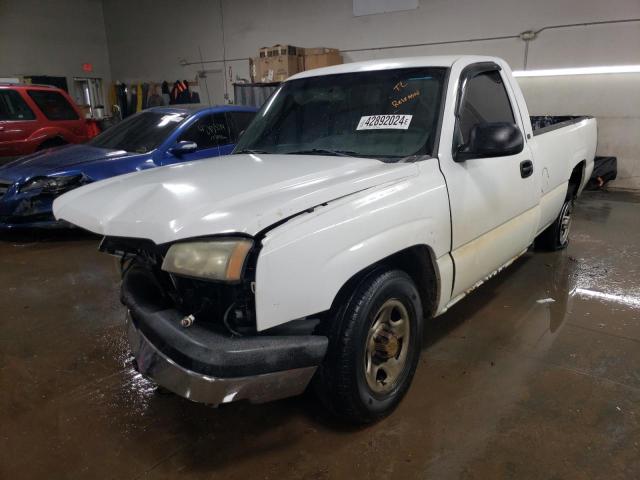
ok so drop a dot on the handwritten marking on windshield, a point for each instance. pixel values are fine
(406, 98)
(399, 86)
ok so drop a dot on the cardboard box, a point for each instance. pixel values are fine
(253, 69)
(274, 69)
(321, 57)
(278, 50)
(277, 63)
(320, 51)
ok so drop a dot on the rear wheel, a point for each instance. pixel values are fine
(374, 348)
(556, 235)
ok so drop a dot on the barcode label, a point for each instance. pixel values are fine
(378, 122)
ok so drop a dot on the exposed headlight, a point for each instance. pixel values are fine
(222, 259)
(53, 184)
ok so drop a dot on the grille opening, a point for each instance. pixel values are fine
(223, 307)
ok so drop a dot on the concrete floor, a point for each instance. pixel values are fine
(507, 387)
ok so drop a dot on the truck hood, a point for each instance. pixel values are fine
(231, 194)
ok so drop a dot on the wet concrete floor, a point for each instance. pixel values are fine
(508, 387)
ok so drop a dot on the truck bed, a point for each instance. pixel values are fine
(546, 123)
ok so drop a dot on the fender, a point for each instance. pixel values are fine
(304, 262)
(47, 133)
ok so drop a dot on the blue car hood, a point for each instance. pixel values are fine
(58, 160)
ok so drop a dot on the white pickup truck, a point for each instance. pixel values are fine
(363, 200)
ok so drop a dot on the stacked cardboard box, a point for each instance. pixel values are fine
(277, 63)
(321, 57)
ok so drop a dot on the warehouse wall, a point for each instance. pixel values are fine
(53, 38)
(148, 43)
(613, 99)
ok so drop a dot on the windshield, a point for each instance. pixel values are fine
(140, 133)
(385, 114)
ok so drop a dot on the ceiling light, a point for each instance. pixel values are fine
(550, 72)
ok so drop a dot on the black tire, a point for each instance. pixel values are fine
(556, 235)
(341, 381)
(51, 143)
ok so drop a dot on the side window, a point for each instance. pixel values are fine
(239, 123)
(485, 101)
(13, 107)
(53, 105)
(208, 131)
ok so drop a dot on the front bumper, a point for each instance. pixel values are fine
(25, 211)
(205, 364)
(12, 224)
(155, 365)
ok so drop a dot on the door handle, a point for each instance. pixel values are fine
(526, 168)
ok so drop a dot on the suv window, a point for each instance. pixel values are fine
(208, 131)
(13, 107)
(53, 105)
(485, 101)
(239, 122)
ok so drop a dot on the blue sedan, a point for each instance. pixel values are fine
(152, 138)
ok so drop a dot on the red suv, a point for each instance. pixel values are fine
(34, 117)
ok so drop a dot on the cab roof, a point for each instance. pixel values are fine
(390, 64)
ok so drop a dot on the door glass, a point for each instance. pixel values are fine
(140, 133)
(53, 105)
(13, 107)
(485, 101)
(239, 122)
(208, 131)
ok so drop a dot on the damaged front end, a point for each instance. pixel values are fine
(29, 205)
(197, 336)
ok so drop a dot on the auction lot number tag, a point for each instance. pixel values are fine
(378, 122)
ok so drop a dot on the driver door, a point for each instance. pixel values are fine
(493, 203)
(212, 135)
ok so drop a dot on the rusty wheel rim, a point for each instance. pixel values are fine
(387, 346)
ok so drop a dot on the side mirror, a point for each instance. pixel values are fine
(183, 147)
(497, 139)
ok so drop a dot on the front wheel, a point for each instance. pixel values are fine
(556, 235)
(374, 348)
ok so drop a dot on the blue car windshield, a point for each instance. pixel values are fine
(140, 133)
(388, 114)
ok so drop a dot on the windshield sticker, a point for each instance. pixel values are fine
(378, 122)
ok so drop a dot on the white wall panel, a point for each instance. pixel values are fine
(52, 38)
(372, 7)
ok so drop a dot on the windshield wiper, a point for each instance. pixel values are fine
(324, 151)
(254, 152)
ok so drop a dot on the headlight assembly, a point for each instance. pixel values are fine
(53, 184)
(217, 259)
